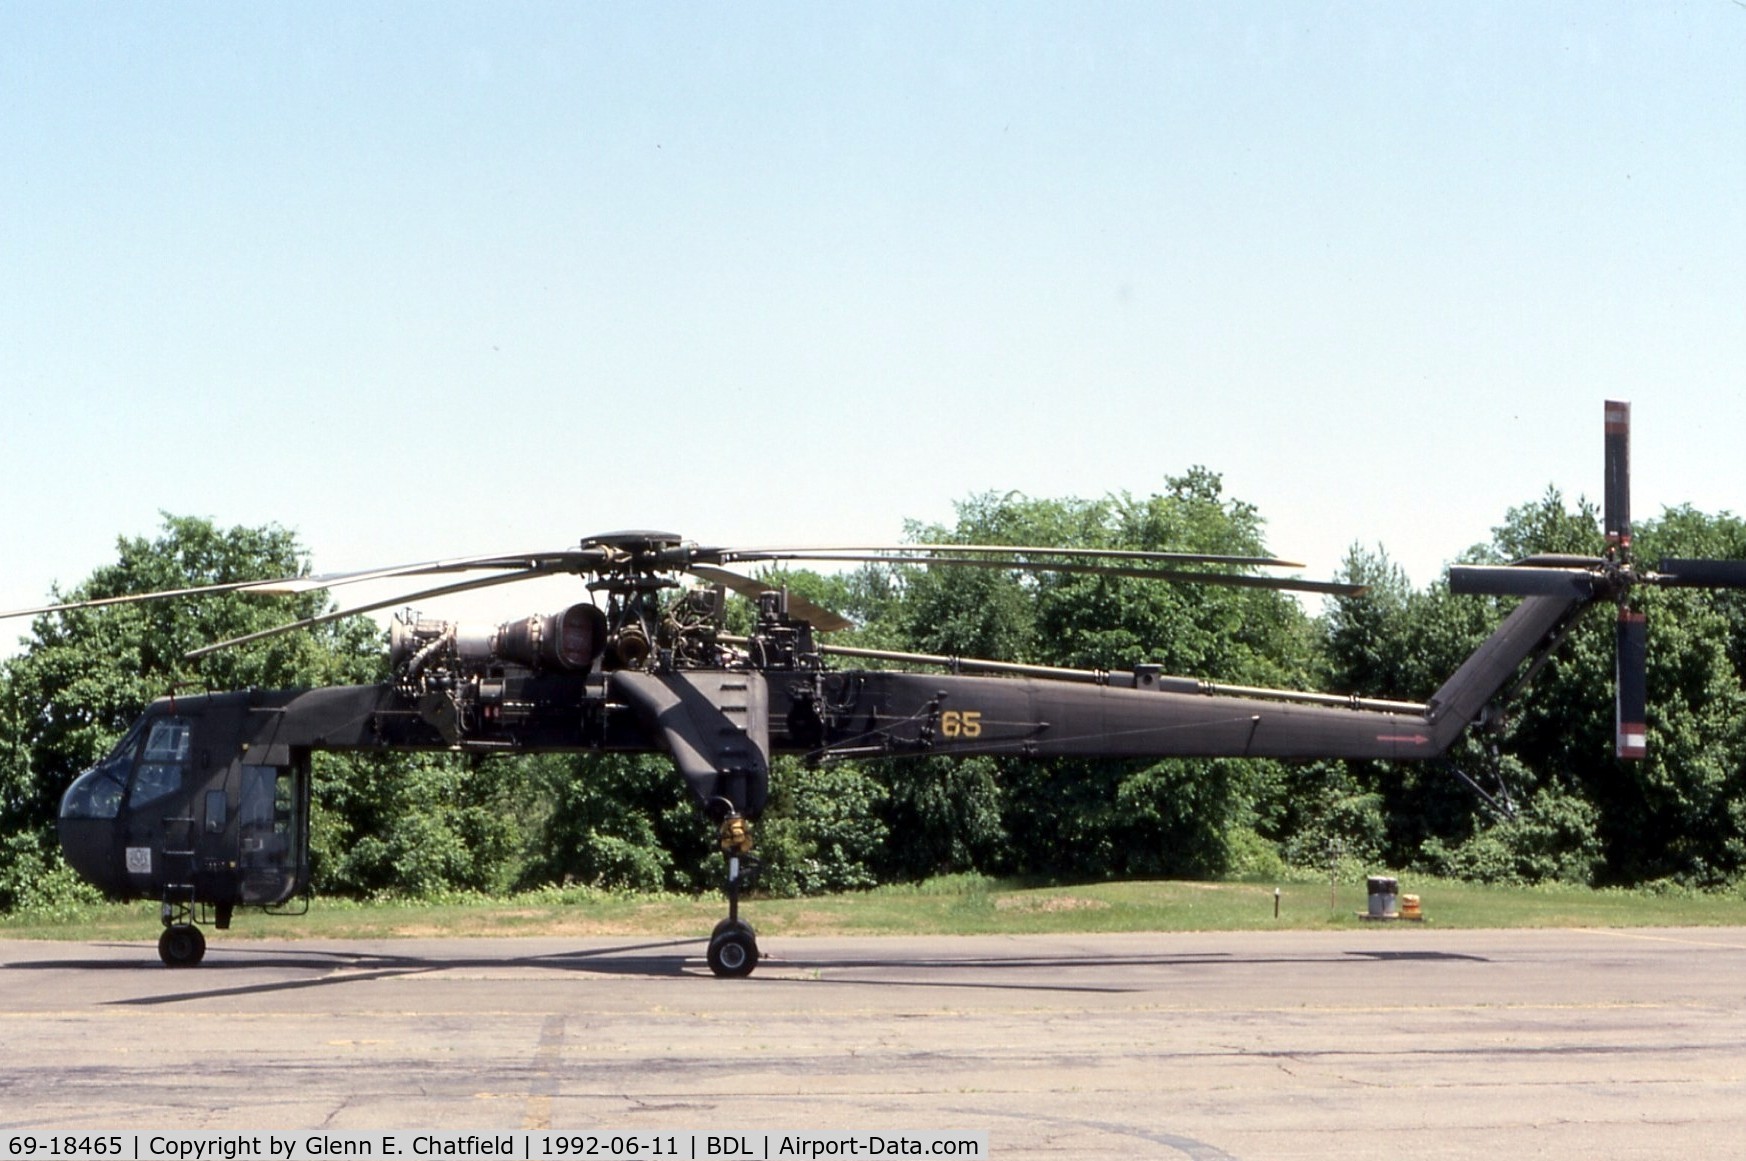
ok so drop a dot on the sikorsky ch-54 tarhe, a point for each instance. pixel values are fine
(204, 805)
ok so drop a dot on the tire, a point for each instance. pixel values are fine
(181, 945)
(728, 925)
(733, 953)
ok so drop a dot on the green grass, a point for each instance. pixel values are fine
(953, 905)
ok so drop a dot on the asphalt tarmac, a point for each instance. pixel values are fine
(1385, 1042)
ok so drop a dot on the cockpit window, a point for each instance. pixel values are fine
(168, 741)
(97, 792)
(154, 780)
(161, 765)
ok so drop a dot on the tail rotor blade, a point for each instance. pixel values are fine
(1508, 580)
(1702, 574)
(1617, 516)
(1631, 733)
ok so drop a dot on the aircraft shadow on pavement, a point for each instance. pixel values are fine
(235, 969)
(228, 967)
(938, 971)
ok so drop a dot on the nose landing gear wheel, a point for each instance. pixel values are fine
(733, 950)
(181, 945)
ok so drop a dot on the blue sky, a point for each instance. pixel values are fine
(431, 279)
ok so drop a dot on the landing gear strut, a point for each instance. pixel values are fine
(733, 945)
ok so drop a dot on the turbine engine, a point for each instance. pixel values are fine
(570, 641)
(473, 684)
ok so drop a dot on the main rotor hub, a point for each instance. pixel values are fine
(635, 557)
(635, 542)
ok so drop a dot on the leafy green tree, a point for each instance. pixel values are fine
(1681, 812)
(1553, 836)
(627, 822)
(1238, 635)
(35, 879)
(1388, 642)
(1686, 532)
(414, 825)
(1394, 642)
(1332, 811)
(943, 816)
(618, 821)
(1085, 620)
(824, 829)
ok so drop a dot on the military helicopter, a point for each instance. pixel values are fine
(204, 804)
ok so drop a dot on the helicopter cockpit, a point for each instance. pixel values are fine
(183, 811)
(89, 810)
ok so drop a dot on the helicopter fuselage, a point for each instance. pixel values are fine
(206, 799)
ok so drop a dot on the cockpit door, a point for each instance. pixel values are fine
(160, 843)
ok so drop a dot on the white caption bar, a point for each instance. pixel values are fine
(525, 1145)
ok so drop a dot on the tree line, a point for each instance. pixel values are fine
(1541, 798)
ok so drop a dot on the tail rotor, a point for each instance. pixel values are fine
(1611, 576)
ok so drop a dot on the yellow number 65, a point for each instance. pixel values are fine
(961, 723)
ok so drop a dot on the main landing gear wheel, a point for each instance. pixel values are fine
(733, 945)
(181, 945)
(733, 949)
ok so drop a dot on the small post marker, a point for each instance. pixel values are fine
(1276, 902)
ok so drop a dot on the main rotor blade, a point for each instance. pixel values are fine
(269, 587)
(819, 617)
(561, 560)
(311, 622)
(837, 551)
(1631, 709)
(1182, 576)
(1616, 519)
(1510, 580)
(566, 560)
(1702, 574)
